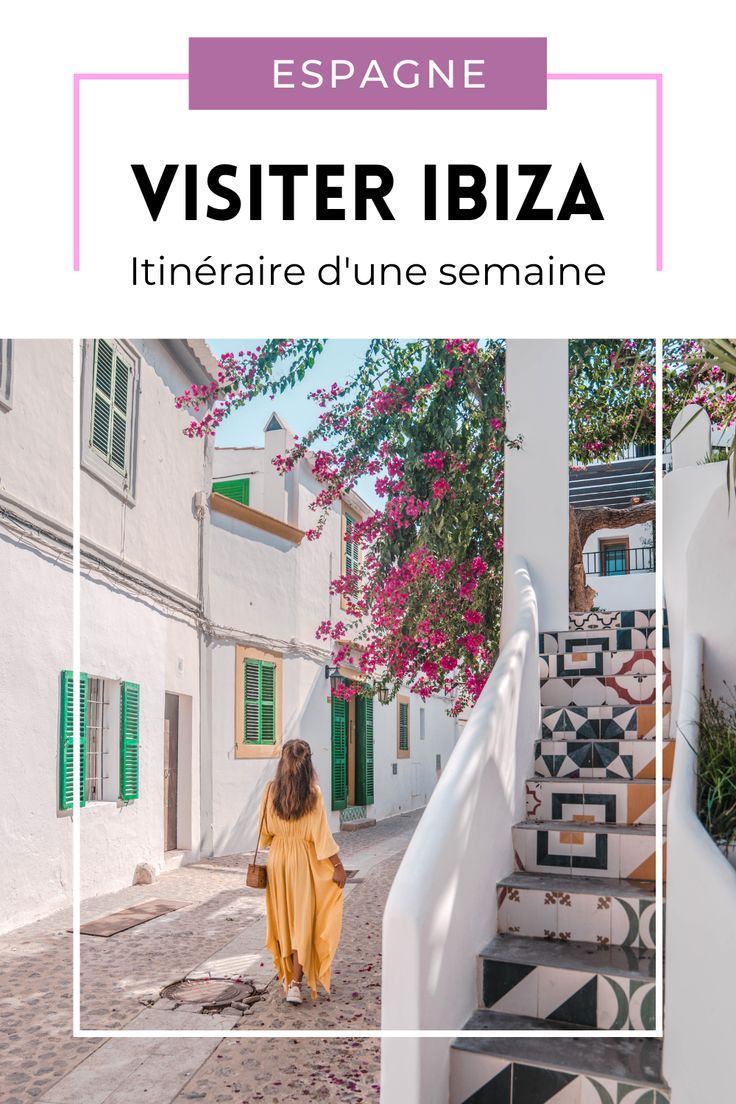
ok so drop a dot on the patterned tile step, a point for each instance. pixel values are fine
(601, 722)
(601, 640)
(607, 911)
(580, 849)
(582, 983)
(599, 663)
(603, 690)
(539, 1070)
(594, 800)
(601, 758)
(604, 619)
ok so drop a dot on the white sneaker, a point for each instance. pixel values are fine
(294, 993)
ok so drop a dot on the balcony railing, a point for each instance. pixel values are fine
(619, 561)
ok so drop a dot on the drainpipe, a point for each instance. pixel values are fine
(206, 805)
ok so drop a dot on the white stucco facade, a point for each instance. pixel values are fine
(536, 523)
(140, 601)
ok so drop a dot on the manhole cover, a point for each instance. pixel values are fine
(208, 991)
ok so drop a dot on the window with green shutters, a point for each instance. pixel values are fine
(66, 739)
(112, 374)
(402, 725)
(130, 711)
(339, 753)
(259, 691)
(351, 557)
(364, 794)
(236, 489)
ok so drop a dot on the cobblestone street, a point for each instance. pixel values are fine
(220, 932)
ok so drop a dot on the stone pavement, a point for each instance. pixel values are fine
(219, 933)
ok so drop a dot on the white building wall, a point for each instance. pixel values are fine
(623, 592)
(125, 634)
(536, 519)
(35, 434)
(159, 534)
(35, 875)
(136, 642)
(273, 593)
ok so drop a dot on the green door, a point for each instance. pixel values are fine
(339, 753)
(364, 751)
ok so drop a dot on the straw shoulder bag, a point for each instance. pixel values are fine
(257, 874)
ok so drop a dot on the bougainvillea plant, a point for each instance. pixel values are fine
(699, 372)
(612, 398)
(426, 420)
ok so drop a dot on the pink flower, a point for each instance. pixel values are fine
(440, 487)
(473, 617)
(448, 662)
(472, 642)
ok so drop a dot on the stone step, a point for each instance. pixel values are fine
(586, 984)
(601, 758)
(600, 663)
(602, 722)
(606, 690)
(539, 1070)
(600, 800)
(580, 849)
(609, 911)
(620, 619)
(598, 640)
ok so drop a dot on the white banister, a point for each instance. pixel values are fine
(700, 965)
(442, 906)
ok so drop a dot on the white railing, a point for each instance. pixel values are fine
(700, 963)
(441, 910)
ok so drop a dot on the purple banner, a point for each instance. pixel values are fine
(385, 74)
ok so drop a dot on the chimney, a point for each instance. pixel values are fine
(280, 493)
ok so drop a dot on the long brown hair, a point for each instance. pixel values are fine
(294, 791)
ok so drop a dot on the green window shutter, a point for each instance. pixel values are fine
(102, 384)
(339, 753)
(236, 489)
(403, 726)
(130, 710)
(259, 690)
(121, 390)
(111, 376)
(351, 548)
(66, 741)
(268, 703)
(364, 751)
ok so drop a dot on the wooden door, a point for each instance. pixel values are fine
(171, 770)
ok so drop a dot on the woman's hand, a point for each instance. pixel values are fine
(339, 876)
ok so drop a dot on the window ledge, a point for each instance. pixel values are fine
(103, 473)
(221, 504)
(257, 751)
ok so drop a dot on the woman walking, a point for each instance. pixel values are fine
(305, 875)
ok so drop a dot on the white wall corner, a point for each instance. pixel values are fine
(536, 494)
(690, 437)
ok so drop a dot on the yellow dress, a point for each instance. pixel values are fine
(303, 904)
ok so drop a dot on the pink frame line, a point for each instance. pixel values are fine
(656, 77)
(659, 158)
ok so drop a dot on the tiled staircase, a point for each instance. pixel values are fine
(575, 943)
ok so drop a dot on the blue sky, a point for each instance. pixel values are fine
(245, 426)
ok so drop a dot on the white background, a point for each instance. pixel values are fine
(610, 127)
